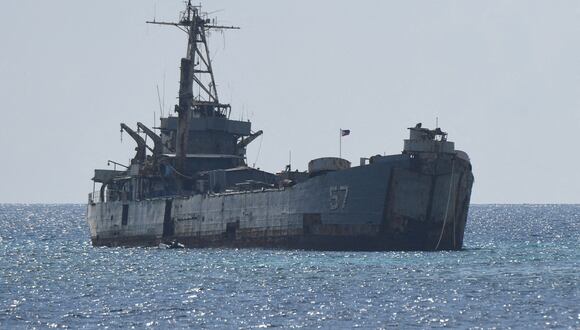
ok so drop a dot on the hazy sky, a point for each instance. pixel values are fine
(502, 76)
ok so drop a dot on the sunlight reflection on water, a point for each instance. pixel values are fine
(520, 266)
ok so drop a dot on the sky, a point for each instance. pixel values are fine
(501, 76)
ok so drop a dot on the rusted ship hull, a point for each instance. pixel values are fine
(400, 202)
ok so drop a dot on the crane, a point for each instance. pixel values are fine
(245, 142)
(158, 143)
(141, 145)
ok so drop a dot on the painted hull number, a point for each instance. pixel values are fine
(338, 197)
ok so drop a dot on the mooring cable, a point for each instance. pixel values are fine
(178, 173)
(448, 200)
(259, 150)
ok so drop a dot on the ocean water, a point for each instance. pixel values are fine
(520, 269)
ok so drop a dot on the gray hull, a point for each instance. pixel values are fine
(398, 203)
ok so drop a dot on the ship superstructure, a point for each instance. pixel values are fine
(193, 186)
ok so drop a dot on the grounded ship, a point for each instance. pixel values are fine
(194, 188)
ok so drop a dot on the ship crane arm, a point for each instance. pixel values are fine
(157, 142)
(245, 142)
(141, 145)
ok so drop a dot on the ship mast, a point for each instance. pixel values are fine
(196, 73)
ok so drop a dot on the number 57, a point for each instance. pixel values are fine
(338, 195)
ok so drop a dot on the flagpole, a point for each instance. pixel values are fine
(340, 143)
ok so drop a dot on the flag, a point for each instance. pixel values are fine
(344, 132)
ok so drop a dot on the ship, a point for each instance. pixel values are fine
(189, 183)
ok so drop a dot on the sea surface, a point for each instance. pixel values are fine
(520, 269)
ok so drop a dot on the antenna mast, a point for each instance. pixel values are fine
(196, 71)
